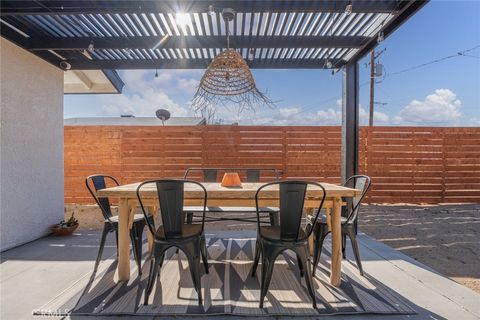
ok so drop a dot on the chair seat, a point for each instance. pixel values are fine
(136, 218)
(231, 209)
(273, 233)
(188, 231)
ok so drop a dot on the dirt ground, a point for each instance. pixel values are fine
(444, 237)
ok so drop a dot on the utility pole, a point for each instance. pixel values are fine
(373, 74)
(372, 87)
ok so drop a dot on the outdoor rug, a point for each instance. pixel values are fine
(228, 289)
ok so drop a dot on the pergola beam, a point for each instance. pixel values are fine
(196, 64)
(179, 42)
(19, 8)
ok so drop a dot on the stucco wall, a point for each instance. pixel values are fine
(31, 146)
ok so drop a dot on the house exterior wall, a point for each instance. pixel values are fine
(31, 146)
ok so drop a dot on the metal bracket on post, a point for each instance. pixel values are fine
(350, 121)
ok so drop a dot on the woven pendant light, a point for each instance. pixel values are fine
(228, 80)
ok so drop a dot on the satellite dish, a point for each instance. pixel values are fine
(163, 115)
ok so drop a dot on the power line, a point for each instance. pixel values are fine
(458, 54)
(313, 105)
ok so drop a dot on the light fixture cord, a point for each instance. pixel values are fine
(227, 28)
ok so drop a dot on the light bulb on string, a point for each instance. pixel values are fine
(211, 10)
(380, 37)
(348, 9)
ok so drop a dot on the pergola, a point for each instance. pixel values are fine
(269, 34)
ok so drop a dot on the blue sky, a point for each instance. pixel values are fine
(446, 93)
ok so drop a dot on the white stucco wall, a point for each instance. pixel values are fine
(31, 146)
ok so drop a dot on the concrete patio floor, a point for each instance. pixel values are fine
(33, 274)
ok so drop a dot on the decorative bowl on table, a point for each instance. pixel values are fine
(65, 227)
(231, 179)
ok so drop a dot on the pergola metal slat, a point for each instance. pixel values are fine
(275, 32)
(12, 7)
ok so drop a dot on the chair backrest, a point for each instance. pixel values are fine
(170, 193)
(98, 182)
(291, 196)
(359, 182)
(210, 175)
(252, 174)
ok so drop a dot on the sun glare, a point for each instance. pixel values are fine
(183, 19)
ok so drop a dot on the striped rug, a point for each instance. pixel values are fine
(228, 289)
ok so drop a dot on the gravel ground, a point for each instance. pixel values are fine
(444, 237)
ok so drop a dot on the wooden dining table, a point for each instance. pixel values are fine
(219, 196)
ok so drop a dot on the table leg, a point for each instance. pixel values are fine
(328, 212)
(336, 265)
(123, 241)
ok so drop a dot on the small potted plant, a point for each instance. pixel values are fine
(65, 227)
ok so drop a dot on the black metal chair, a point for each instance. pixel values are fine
(174, 232)
(349, 222)
(287, 235)
(98, 182)
(252, 176)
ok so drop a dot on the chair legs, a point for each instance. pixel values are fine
(258, 252)
(204, 252)
(321, 231)
(156, 260)
(189, 217)
(300, 265)
(136, 237)
(269, 253)
(353, 239)
(106, 229)
(302, 257)
(192, 249)
(273, 218)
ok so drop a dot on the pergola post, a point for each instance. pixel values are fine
(350, 121)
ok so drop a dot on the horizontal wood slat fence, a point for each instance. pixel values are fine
(407, 164)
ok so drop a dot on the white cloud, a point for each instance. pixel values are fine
(144, 93)
(380, 117)
(288, 112)
(141, 105)
(329, 116)
(440, 107)
(188, 85)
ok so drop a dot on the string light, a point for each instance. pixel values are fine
(348, 9)
(91, 47)
(380, 37)
(251, 54)
(211, 10)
